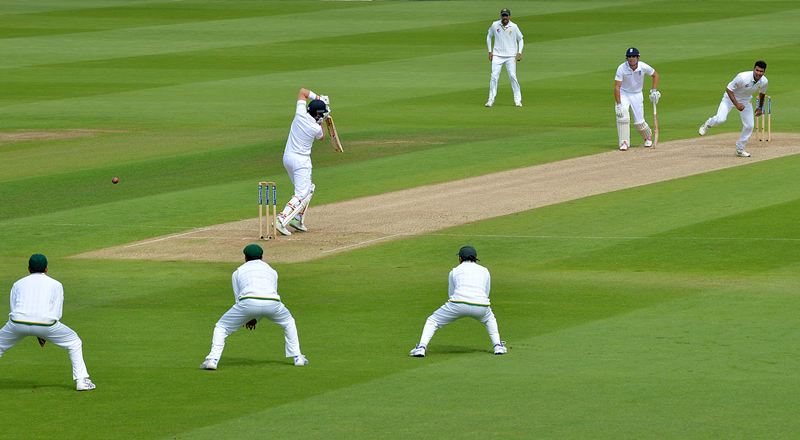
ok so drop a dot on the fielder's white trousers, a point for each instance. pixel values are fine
(298, 167)
(634, 101)
(725, 106)
(247, 309)
(511, 68)
(58, 334)
(450, 312)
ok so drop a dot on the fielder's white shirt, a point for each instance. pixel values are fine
(743, 86)
(633, 80)
(507, 39)
(303, 132)
(255, 278)
(470, 283)
(37, 298)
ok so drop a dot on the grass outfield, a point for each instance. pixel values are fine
(665, 311)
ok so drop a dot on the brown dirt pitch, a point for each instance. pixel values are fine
(365, 221)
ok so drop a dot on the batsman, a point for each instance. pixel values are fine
(309, 115)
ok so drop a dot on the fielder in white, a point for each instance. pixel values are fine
(738, 94)
(306, 127)
(628, 84)
(255, 292)
(468, 290)
(36, 307)
(507, 50)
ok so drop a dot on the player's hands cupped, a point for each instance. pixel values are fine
(739, 106)
(251, 324)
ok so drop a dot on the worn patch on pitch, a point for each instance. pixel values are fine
(340, 227)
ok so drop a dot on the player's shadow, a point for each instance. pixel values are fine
(250, 362)
(26, 384)
(456, 349)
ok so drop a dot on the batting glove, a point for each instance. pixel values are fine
(620, 111)
(655, 95)
(325, 99)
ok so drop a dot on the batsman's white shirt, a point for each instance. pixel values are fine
(469, 283)
(507, 39)
(744, 86)
(303, 131)
(37, 298)
(633, 80)
(255, 279)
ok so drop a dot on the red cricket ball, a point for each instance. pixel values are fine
(115, 180)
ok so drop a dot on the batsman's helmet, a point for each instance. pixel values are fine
(317, 109)
(631, 52)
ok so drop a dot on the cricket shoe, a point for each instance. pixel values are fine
(518, 104)
(418, 351)
(209, 364)
(703, 129)
(500, 348)
(489, 103)
(299, 225)
(282, 229)
(84, 384)
(648, 143)
(623, 146)
(742, 153)
(300, 361)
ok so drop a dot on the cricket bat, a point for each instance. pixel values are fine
(655, 126)
(336, 143)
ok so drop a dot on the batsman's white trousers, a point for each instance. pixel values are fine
(634, 101)
(247, 309)
(725, 106)
(511, 68)
(299, 168)
(58, 334)
(451, 311)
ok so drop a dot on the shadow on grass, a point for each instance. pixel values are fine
(249, 362)
(25, 384)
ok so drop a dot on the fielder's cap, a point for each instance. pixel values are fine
(467, 252)
(505, 12)
(631, 52)
(253, 251)
(37, 263)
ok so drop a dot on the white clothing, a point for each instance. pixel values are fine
(508, 43)
(37, 299)
(469, 283)
(255, 287)
(299, 168)
(508, 40)
(36, 307)
(633, 80)
(255, 279)
(303, 131)
(743, 86)
(634, 101)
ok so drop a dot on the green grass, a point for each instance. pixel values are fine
(665, 311)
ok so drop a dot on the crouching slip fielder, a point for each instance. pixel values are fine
(738, 94)
(628, 84)
(255, 292)
(468, 291)
(306, 126)
(36, 306)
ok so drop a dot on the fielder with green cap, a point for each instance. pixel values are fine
(468, 291)
(255, 292)
(36, 307)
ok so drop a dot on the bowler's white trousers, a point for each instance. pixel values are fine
(249, 308)
(511, 69)
(725, 106)
(452, 311)
(58, 333)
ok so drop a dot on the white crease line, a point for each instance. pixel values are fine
(363, 243)
(166, 238)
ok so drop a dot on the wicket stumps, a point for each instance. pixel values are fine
(761, 127)
(264, 201)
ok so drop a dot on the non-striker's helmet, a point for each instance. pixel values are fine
(631, 52)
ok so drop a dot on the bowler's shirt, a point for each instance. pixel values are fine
(469, 283)
(507, 39)
(255, 279)
(633, 80)
(743, 86)
(37, 299)
(303, 132)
